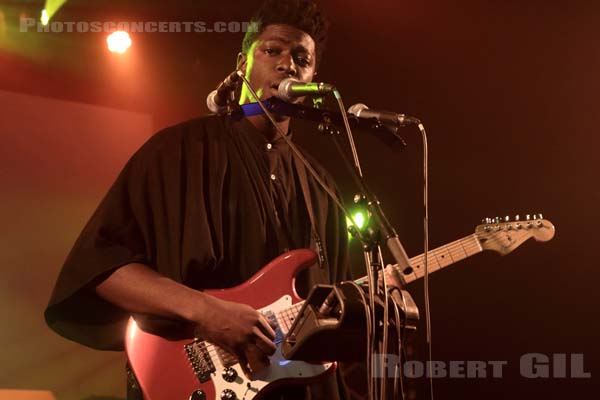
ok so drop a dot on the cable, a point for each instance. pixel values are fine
(385, 324)
(372, 331)
(368, 326)
(397, 370)
(402, 349)
(426, 250)
(338, 98)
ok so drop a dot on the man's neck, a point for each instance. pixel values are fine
(264, 126)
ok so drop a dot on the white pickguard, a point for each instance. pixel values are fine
(280, 368)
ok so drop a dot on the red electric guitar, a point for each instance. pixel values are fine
(188, 368)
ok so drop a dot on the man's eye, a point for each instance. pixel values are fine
(303, 61)
(270, 50)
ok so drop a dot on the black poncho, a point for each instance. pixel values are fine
(206, 203)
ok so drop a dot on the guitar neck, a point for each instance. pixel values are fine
(439, 258)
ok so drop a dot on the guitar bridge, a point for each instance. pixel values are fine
(201, 362)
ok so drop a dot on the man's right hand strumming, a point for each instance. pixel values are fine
(238, 329)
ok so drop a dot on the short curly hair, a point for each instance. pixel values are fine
(301, 14)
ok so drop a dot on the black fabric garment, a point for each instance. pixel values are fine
(205, 203)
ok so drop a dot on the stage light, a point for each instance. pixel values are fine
(51, 7)
(45, 18)
(118, 42)
(359, 218)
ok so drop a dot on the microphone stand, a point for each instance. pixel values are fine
(371, 239)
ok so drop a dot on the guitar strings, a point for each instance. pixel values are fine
(286, 317)
(467, 245)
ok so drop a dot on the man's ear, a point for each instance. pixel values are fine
(241, 62)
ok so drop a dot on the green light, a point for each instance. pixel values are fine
(51, 7)
(358, 218)
(45, 18)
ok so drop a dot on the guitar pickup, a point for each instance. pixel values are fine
(272, 318)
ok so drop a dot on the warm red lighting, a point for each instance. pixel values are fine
(118, 42)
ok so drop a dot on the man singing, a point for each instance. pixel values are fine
(204, 205)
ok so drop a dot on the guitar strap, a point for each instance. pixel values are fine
(316, 242)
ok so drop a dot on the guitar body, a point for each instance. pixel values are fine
(169, 369)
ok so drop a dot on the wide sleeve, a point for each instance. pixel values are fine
(112, 238)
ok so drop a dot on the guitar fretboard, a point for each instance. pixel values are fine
(443, 256)
(286, 318)
(437, 259)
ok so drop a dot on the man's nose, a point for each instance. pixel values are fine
(287, 65)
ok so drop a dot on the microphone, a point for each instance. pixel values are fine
(290, 89)
(362, 111)
(219, 98)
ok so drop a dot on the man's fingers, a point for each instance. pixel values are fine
(392, 278)
(264, 344)
(265, 327)
(244, 364)
(255, 360)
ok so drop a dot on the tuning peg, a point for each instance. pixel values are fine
(540, 216)
(517, 217)
(534, 216)
(497, 220)
(527, 217)
(506, 218)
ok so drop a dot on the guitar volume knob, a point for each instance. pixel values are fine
(229, 374)
(198, 395)
(228, 394)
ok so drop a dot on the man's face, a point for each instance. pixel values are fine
(279, 52)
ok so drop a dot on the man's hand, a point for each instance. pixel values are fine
(392, 278)
(240, 330)
(237, 328)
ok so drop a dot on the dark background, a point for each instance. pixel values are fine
(508, 92)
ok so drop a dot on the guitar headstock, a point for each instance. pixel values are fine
(504, 235)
